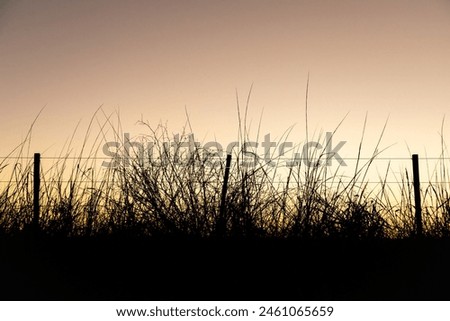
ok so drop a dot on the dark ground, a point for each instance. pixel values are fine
(125, 269)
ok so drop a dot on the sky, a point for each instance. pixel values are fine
(156, 60)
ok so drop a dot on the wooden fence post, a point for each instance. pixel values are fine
(36, 189)
(417, 201)
(221, 223)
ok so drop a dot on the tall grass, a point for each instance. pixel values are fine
(169, 190)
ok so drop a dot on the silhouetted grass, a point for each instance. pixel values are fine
(176, 192)
(149, 228)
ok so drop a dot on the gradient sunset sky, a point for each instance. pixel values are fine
(154, 58)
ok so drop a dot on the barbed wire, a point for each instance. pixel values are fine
(261, 162)
(258, 157)
(293, 183)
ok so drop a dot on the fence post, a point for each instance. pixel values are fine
(417, 201)
(221, 223)
(36, 188)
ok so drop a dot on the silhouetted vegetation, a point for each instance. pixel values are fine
(152, 227)
(161, 188)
